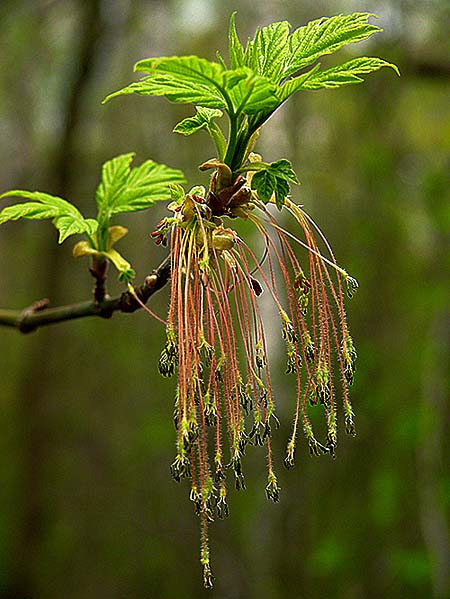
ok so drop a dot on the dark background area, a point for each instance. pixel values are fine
(88, 507)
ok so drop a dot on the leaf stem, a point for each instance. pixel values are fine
(219, 140)
(232, 139)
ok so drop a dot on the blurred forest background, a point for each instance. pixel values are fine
(88, 507)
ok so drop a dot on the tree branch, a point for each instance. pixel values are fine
(39, 314)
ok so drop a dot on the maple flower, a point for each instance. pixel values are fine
(216, 340)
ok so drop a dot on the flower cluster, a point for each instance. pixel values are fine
(217, 344)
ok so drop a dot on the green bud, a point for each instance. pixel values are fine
(240, 482)
(260, 357)
(222, 505)
(352, 286)
(196, 498)
(289, 460)
(316, 448)
(288, 332)
(208, 578)
(349, 422)
(168, 359)
(180, 468)
(245, 398)
(272, 488)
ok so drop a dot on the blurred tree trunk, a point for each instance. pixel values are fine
(431, 454)
(37, 365)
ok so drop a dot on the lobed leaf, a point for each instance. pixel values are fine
(264, 183)
(176, 91)
(202, 118)
(114, 175)
(65, 216)
(236, 50)
(273, 180)
(296, 84)
(126, 189)
(254, 94)
(126, 272)
(185, 79)
(325, 36)
(282, 169)
(266, 53)
(345, 73)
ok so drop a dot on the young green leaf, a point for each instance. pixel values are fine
(264, 183)
(325, 36)
(65, 216)
(261, 78)
(236, 49)
(126, 272)
(345, 73)
(254, 94)
(84, 248)
(272, 180)
(201, 120)
(126, 189)
(114, 176)
(282, 169)
(176, 193)
(296, 84)
(186, 80)
(175, 90)
(266, 53)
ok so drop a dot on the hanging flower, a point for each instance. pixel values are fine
(216, 341)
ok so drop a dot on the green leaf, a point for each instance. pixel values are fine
(264, 183)
(126, 189)
(272, 179)
(261, 78)
(325, 36)
(115, 173)
(236, 49)
(84, 248)
(282, 169)
(193, 80)
(186, 80)
(346, 73)
(126, 272)
(65, 216)
(254, 94)
(266, 53)
(175, 91)
(296, 84)
(203, 118)
(176, 193)
(281, 191)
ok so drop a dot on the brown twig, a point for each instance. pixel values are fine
(38, 314)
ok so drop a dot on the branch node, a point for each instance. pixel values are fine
(38, 306)
(151, 280)
(99, 270)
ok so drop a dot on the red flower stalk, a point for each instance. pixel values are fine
(217, 344)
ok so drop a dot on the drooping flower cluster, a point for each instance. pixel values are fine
(217, 345)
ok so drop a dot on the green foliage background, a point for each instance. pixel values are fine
(88, 508)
